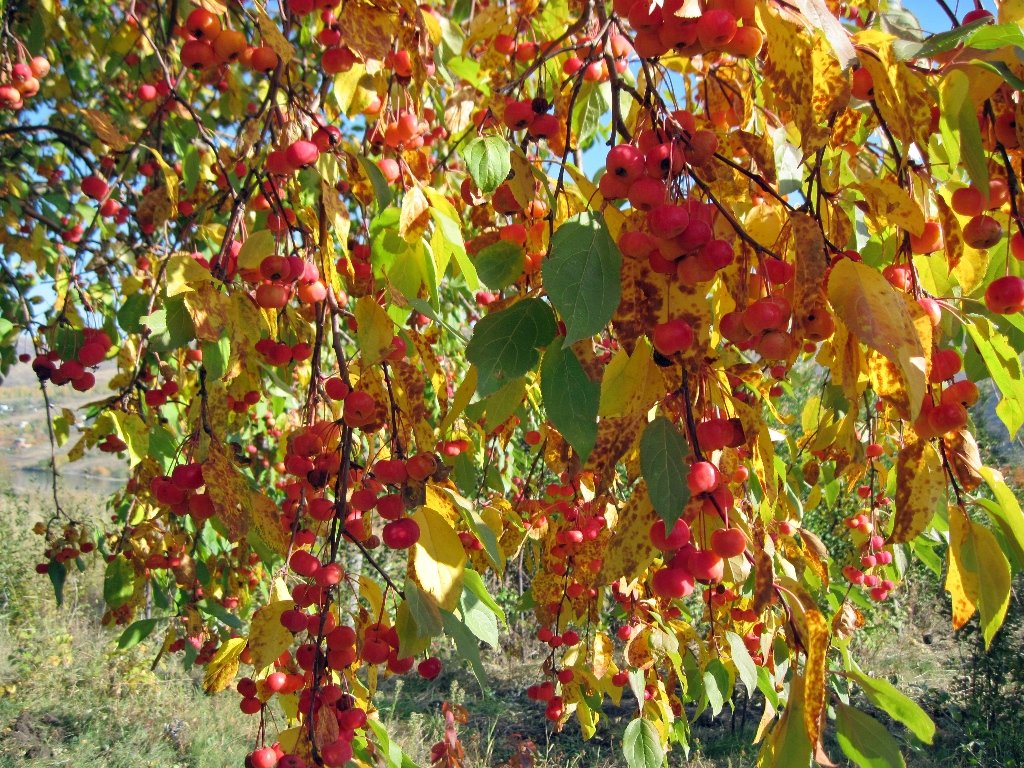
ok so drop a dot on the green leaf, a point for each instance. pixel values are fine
(592, 105)
(381, 188)
(447, 242)
(488, 161)
(137, 632)
(221, 613)
(215, 357)
(393, 755)
(479, 618)
(190, 169)
(499, 265)
(641, 745)
(571, 399)
(582, 275)
(886, 697)
(118, 582)
(505, 344)
(865, 740)
(6, 326)
(717, 685)
(67, 342)
(474, 582)
(953, 91)
(991, 36)
(170, 327)
(496, 409)
(942, 42)
(954, 98)
(1005, 512)
(424, 612)
(1003, 365)
(466, 643)
(662, 454)
(129, 316)
(58, 574)
(745, 666)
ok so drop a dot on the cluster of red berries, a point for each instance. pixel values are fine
(93, 350)
(949, 414)
(22, 82)
(874, 556)
(64, 545)
(403, 130)
(723, 25)
(685, 563)
(209, 45)
(180, 491)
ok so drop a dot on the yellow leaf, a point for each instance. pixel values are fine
(964, 458)
(256, 247)
(979, 574)
(961, 580)
(790, 72)
(602, 662)
(266, 520)
(438, 558)
(184, 273)
(920, 486)
(412, 222)
(901, 95)
(104, 128)
(631, 382)
(810, 264)
(223, 666)
(374, 330)
(816, 645)
(1011, 11)
(873, 311)
(272, 37)
(267, 638)
(370, 590)
(521, 178)
(890, 205)
(462, 397)
(170, 179)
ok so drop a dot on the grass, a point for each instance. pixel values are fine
(67, 698)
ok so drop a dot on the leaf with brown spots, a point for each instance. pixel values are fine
(228, 490)
(816, 643)
(964, 458)
(920, 487)
(640, 304)
(615, 436)
(630, 552)
(810, 265)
